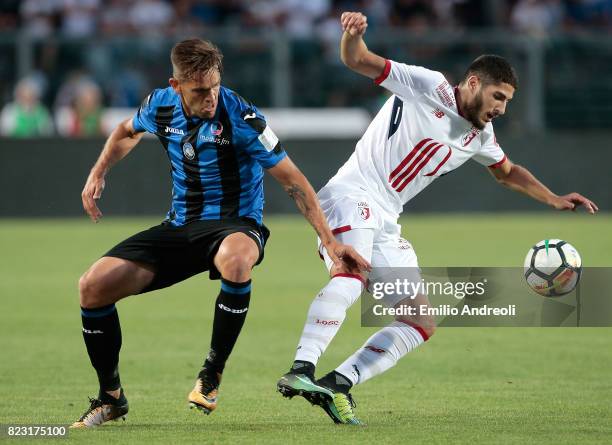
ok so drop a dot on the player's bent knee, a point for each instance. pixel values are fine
(89, 291)
(424, 324)
(235, 267)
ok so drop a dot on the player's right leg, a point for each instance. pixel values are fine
(393, 258)
(325, 316)
(106, 282)
(236, 256)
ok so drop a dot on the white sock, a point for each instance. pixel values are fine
(325, 316)
(380, 352)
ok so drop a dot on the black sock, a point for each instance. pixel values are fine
(303, 367)
(108, 399)
(336, 382)
(102, 335)
(230, 312)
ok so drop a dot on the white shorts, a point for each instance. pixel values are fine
(358, 221)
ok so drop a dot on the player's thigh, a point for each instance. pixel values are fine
(360, 239)
(237, 254)
(395, 261)
(394, 268)
(393, 258)
(110, 279)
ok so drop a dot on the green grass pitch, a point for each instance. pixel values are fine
(466, 385)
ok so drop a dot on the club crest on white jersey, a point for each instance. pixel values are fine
(363, 210)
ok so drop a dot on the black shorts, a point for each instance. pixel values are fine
(177, 253)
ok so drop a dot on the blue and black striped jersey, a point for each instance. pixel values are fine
(216, 163)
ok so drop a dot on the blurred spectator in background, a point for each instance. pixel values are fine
(26, 116)
(79, 17)
(589, 13)
(84, 116)
(39, 18)
(206, 13)
(193, 15)
(537, 17)
(262, 13)
(151, 17)
(298, 17)
(127, 87)
(416, 15)
(450, 14)
(114, 18)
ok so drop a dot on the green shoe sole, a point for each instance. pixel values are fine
(291, 385)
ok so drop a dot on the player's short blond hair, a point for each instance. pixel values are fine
(193, 58)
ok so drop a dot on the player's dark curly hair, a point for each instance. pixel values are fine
(192, 58)
(492, 69)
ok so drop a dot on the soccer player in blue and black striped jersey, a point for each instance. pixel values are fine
(218, 145)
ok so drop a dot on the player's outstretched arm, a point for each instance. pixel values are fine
(522, 180)
(353, 50)
(298, 187)
(121, 141)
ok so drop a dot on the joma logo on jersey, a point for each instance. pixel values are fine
(174, 131)
(416, 160)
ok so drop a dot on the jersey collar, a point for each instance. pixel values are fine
(457, 98)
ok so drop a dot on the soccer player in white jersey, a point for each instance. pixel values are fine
(426, 129)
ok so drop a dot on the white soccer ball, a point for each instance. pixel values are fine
(553, 267)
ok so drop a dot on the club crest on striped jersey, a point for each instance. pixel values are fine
(363, 210)
(188, 151)
(216, 128)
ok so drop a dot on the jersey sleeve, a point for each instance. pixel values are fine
(258, 139)
(408, 80)
(144, 119)
(491, 154)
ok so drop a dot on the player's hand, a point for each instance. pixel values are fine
(91, 193)
(572, 201)
(355, 23)
(347, 256)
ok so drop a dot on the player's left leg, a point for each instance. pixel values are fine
(383, 350)
(235, 258)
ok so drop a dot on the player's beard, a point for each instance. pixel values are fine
(473, 110)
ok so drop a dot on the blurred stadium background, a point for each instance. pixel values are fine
(70, 69)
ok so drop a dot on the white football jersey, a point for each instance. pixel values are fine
(417, 136)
